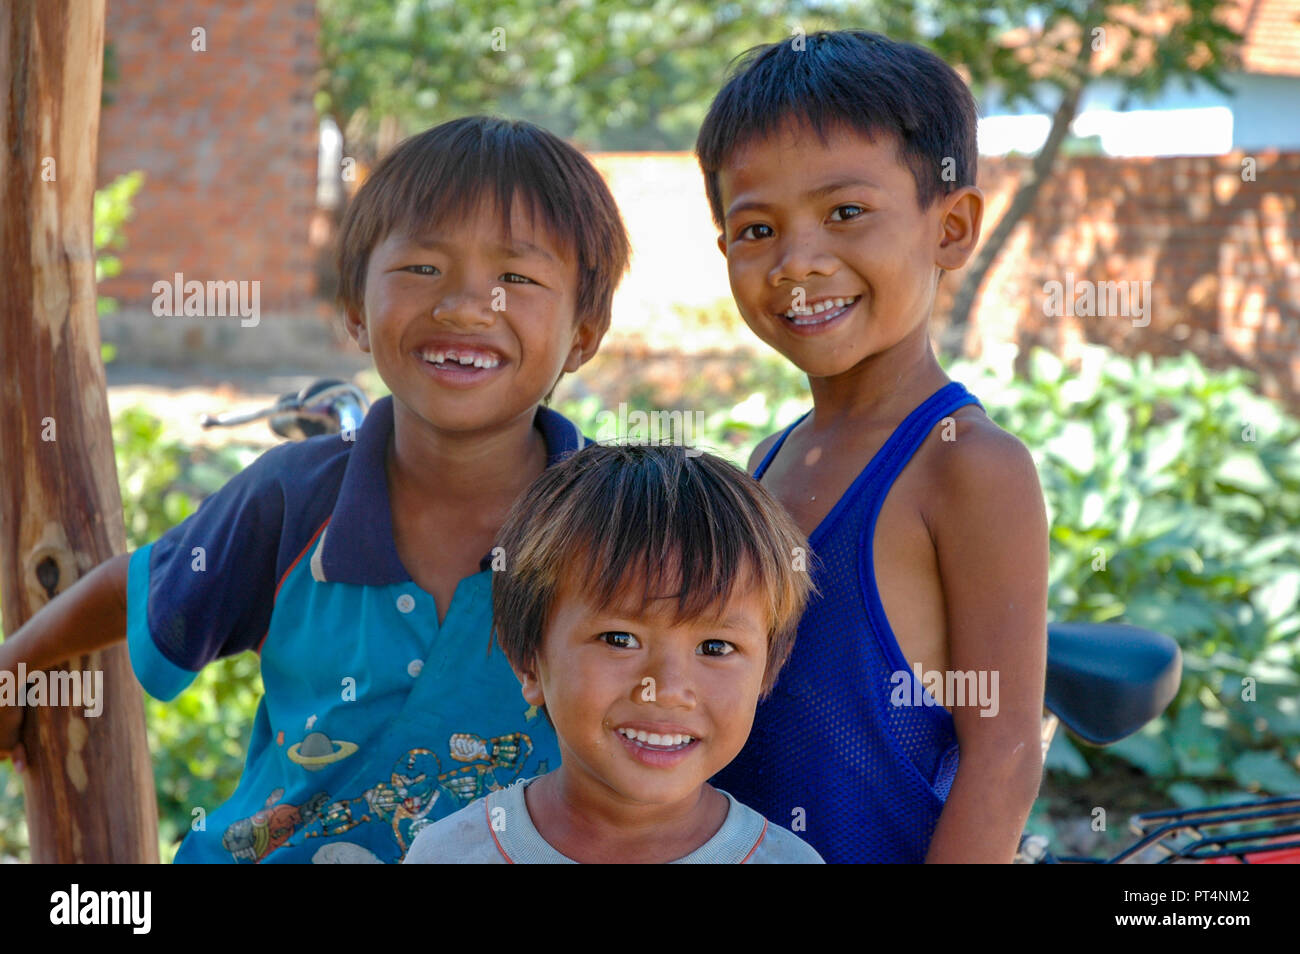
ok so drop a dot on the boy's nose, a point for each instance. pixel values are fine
(464, 309)
(667, 682)
(799, 259)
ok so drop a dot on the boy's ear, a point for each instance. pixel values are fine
(530, 683)
(586, 341)
(356, 325)
(962, 214)
(722, 243)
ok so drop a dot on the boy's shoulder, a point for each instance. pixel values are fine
(469, 836)
(977, 461)
(775, 845)
(463, 837)
(306, 473)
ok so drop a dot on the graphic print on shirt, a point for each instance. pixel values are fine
(402, 802)
(252, 839)
(508, 752)
(318, 750)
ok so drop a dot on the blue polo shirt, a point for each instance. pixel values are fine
(375, 721)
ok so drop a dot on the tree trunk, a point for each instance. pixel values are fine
(89, 782)
(1023, 201)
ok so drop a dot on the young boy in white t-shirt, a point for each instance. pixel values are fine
(649, 599)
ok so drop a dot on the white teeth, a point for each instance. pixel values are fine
(468, 358)
(819, 307)
(652, 738)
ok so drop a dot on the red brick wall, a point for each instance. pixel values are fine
(227, 140)
(1222, 254)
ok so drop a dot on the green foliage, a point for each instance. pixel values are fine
(162, 480)
(1173, 494)
(765, 396)
(198, 740)
(639, 74)
(112, 210)
(1020, 46)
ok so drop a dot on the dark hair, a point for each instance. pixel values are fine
(864, 81)
(444, 172)
(636, 521)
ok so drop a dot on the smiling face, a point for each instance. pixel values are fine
(646, 709)
(469, 328)
(836, 227)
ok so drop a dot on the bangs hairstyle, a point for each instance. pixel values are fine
(632, 521)
(443, 174)
(846, 78)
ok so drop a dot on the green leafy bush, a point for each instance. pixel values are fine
(112, 210)
(1174, 499)
(198, 739)
(763, 396)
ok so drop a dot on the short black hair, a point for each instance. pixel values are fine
(442, 174)
(863, 81)
(637, 521)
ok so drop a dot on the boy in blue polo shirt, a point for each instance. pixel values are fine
(840, 168)
(477, 265)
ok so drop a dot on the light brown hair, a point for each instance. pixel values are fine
(629, 520)
(445, 172)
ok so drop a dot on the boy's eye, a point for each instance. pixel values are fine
(749, 231)
(856, 210)
(421, 269)
(716, 647)
(620, 640)
(516, 278)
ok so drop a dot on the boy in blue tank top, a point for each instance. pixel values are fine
(840, 168)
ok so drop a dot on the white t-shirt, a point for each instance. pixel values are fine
(498, 830)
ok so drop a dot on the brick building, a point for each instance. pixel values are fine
(213, 102)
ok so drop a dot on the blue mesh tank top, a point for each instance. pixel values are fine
(870, 777)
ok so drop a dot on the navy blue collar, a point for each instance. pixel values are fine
(357, 545)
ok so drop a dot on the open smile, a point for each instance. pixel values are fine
(660, 750)
(820, 313)
(462, 366)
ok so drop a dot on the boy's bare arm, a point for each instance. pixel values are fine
(89, 616)
(990, 530)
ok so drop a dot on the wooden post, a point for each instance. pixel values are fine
(89, 782)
